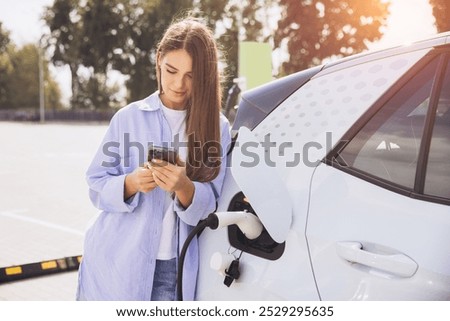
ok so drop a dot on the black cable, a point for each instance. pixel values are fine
(211, 221)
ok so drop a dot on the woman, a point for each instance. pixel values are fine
(131, 250)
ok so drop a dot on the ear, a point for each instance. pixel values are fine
(158, 59)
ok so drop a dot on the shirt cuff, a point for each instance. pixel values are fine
(203, 203)
(111, 196)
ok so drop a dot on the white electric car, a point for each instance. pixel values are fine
(347, 167)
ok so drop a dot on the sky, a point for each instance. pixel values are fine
(409, 20)
(21, 18)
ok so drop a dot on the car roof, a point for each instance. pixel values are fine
(433, 41)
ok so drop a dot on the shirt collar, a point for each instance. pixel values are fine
(151, 103)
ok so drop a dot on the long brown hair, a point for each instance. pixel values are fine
(203, 108)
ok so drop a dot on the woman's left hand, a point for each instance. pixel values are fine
(173, 179)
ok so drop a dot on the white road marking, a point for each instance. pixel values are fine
(40, 222)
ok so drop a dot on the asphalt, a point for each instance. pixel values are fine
(44, 205)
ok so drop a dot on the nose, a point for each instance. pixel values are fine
(179, 82)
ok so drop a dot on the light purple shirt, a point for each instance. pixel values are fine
(121, 246)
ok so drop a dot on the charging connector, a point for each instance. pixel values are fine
(248, 223)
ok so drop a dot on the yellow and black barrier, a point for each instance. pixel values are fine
(31, 270)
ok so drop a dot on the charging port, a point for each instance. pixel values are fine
(263, 246)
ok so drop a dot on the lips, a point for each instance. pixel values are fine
(178, 93)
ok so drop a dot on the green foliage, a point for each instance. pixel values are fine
(4, 39)
(102, 32)
(147, 23)
(115, 35)
(64, 21)
(96, 94)
(105, 35)
(441, 12)
(25, 83)
(64, 18)
(5, 67)
(314, 30)
(234, 21)
(6, 70)
(19, 79)
(52, 95)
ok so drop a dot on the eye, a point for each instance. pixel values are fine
(171, 71)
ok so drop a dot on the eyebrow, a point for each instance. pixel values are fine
(170, 66)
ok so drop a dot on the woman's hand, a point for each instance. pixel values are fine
(173, 179)
(140, 180)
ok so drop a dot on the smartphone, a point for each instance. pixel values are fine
(164, 153)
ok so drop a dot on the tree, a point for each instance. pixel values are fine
(235, 21)
(146, 24)
(441, 12)
(313, 30)
(65, 21)
(5, 67)
(4, 39)
(102, 32)
(19, 84)
(105, 35)
(122, 36)
(95, 94)
(114, 35)
(23, 80)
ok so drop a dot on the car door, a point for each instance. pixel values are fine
(379, 215)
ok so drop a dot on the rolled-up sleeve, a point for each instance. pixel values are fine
(204, 200)
(107, 194)
(203, 203)
(105, 175)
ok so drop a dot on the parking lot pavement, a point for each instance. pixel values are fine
(44, 205)
(56, 287)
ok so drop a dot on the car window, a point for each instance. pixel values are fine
(387, 147)
(437, 180)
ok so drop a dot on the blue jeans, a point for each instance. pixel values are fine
(165, 280)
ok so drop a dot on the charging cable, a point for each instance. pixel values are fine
(248, 223)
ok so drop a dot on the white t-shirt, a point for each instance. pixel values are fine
(167, 247)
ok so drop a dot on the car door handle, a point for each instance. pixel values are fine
(397, 264)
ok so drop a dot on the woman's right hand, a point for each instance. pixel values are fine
(140, 180)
